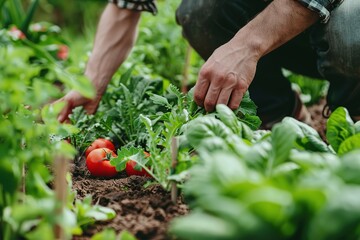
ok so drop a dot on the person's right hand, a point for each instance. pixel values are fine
(74, 99)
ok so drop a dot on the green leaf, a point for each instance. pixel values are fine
(357, 127)
(42, 231)
(339, 127)
(202, 226)
(282, 140)
(307, 138)
(252, 121)
(350, 167)
(213, 144)
(50, 112)
(125, 235)
(107, 234)
(228, 117)
(340, 217)
(100, 213)
(160, 100)
(285, 169)
(32, 209)
(247, 106)
(9, 175)
(206, 127)
(349, 144)
(312, 160)
(29, 16)
(79, 83)
(124, 155)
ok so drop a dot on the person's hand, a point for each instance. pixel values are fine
(225, 77)
(74, 99)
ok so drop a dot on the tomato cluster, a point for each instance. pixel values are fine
(98, 156)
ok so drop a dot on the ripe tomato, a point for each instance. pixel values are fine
(130, 168)
(63, 52)
(100, 143)
(16, 33)
(98, 163)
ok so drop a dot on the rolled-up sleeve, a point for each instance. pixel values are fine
(137, 5)
(322, 7)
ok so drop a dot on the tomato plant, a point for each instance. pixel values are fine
(100, 143)
(132, 169)
(98, 163)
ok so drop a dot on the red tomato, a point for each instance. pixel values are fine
(63, 52)
(100, 143)
(16, 33)
(98, 163)
(130, 168)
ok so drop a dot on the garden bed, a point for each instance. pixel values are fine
(145, 212)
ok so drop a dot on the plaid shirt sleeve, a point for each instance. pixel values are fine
(322, 7)
(137, 5)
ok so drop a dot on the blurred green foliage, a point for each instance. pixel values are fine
(72, 15)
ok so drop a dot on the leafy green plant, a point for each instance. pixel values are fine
(169, 122)
(283, 184)
(109, 234)
(118, 116)
(311, 89)
(30, 138)
(342, 133)
(87, 213)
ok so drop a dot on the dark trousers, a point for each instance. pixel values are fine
(330, 51)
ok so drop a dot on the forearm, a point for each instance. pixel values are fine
(116, 34)
(277, 24)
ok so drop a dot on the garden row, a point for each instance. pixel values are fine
(240, 182)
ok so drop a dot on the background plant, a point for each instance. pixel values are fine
(30, 138)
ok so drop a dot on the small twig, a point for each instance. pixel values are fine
(185, 78)
(60, 170)
(174, 154)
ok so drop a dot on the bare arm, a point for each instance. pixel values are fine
(115, 36)
(229, 71)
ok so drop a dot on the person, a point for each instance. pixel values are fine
(246, 44)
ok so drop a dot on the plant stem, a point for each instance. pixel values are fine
(117, 135)
(60, 166)
(174, 153)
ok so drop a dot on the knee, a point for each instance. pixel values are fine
(208, 24)
(195, 18)
(341, 56)
(191, 11)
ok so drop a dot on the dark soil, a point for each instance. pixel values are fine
(145, 212)
(319, 122)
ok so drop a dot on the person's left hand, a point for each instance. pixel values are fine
(225, 76)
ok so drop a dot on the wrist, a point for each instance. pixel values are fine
(98, 80)
(251, 44)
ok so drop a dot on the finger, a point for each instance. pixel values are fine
(64, 114)
(200, 91)
(91, 109)
(235, 99)
(211, 98)
(224, 96)
(67, 120)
